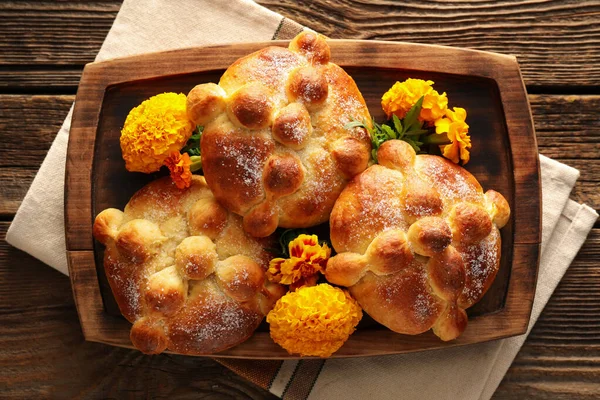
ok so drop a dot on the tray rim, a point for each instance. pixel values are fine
(504, 70)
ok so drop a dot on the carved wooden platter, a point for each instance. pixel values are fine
(504, 158)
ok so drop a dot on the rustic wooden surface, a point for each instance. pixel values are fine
(502, 121)
(44, 46)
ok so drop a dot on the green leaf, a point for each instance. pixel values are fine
(437, 138)
(193, 151)
(376, 126)
(415, 144)
(397, 123)
(192, 147)
(374, 155)
(389, 132)
(413, 114)
(378, 135)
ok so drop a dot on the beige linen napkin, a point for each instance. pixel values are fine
(471, 372)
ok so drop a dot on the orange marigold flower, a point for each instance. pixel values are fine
(454, 125)
(314, 320)
(307, 259)
(179, 166)
(403, 95)
(153, 130)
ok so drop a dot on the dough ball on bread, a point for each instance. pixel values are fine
(417, 241)
(275, 149)
(183, 271)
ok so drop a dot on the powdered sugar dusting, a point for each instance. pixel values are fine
(422, 307)
(379, 208)
(449, 181)
(247, 164)
(273, 66)
(418, 210)
(322, 185)
(407, 292)
(481, 264)
(270, 67)
(125, 281)
(239, 278)
(154, 202)
(232, 321)
(210, 321)
(295, 130)
(234, 241)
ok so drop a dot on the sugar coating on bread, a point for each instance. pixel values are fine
(274, 146)
(418, 241)
(183, 271)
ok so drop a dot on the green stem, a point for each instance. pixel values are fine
(436, 138)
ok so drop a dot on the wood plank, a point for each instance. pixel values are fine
(545, 368)
(559, 41)
(568, 130)
(54, 33)
(567, 127)
(36, 306)
(14, 183)
(28, 125)
(561, 358)
(555, 38)
(44, 79)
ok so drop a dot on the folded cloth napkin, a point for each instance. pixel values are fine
(471, 372)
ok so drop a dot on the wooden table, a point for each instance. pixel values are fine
(43, 48)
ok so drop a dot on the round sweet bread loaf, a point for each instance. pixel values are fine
(417, 241)
(183, 271)
(274, 146)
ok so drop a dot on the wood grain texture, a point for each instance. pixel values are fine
(52, 32)
(28, 125)
(550, 352)
(558, 41)
(34, 79)
(554, 362)
(561, 357)
(14, 183)
(36, 306)
(567, 127)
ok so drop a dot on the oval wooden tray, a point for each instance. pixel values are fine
(504, 157)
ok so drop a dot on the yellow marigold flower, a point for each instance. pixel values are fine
(314, 320)
(307, 259)
(403, 95)
(153, 130)
(454, 125)
(179, 166)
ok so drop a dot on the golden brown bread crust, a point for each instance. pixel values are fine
(417, 241)
(274, 147)
(183, 271)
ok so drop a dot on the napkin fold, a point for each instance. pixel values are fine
(469, 372)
